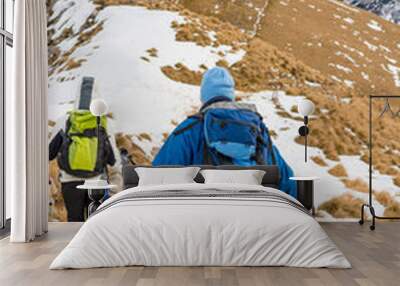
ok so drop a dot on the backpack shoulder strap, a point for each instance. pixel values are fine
(67, 125)
(199, 118)
(270, 149)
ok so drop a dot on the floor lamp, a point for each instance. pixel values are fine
(306, 108)
(98, 108)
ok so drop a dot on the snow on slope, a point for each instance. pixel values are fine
(144, 100)
(328, 186)
(140, 96)
(72, 13)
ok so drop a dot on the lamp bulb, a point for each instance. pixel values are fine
(98, 107)
(306, 107)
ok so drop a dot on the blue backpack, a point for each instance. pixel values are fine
(233, 135)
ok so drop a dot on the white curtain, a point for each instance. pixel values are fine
(26, 124)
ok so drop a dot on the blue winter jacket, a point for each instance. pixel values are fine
(187, 148)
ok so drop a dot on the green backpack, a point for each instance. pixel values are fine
(81, 154)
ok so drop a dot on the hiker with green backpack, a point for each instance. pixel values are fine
(80, 154)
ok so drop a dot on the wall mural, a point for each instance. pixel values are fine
(148, 58)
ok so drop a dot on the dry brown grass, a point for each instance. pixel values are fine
(134, 151)
(73, 64)
(338, 171)
(62, 61)
(396, 180)
(238, 13)
(384, 198)
(344, 206)
(169, 5)
(51, 123)
(356, 184)
(153, 52)
(392, 206)
(319, 161)
(189, 32)
(316, 39)
(57, 210)
(265, 68)
(280, 58)
(144, 136)
(318, 36)
(393, 209)
(182, 73)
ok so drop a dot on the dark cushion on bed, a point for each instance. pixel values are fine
(270, 179)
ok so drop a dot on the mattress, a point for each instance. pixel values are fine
(201, 225)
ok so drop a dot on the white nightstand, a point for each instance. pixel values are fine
(305, 191)
(96, 192)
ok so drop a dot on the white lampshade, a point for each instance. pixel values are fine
(98, 107)
(306, 107)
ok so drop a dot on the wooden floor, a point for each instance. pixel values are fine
(375, 257)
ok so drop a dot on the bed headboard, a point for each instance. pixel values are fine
(271, 177)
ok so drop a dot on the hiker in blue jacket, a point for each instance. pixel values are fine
(224, 132)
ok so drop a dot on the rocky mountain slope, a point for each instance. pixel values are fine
(388, 9)
(148, 58)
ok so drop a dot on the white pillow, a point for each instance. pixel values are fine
(166, 176)
(248, 177)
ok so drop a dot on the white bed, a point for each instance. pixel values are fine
(206, 230)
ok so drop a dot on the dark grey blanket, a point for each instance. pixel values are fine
(203, 194)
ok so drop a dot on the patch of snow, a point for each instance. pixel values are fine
(386, 49)
(336, 78)
(353, 50)
(347, 57)
(346, 100)
(351, 132)
(374, 25)
(312, 84)
(371, 46)
(324, 110)
(348, 20)
(392, 61)
(396, 74)
(232, 58)
(365, 75)
(342, 68)
(349, 83)
(259, 17)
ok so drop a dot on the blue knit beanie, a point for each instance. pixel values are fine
(217, 82)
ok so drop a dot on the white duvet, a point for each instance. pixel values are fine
(200, 231)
